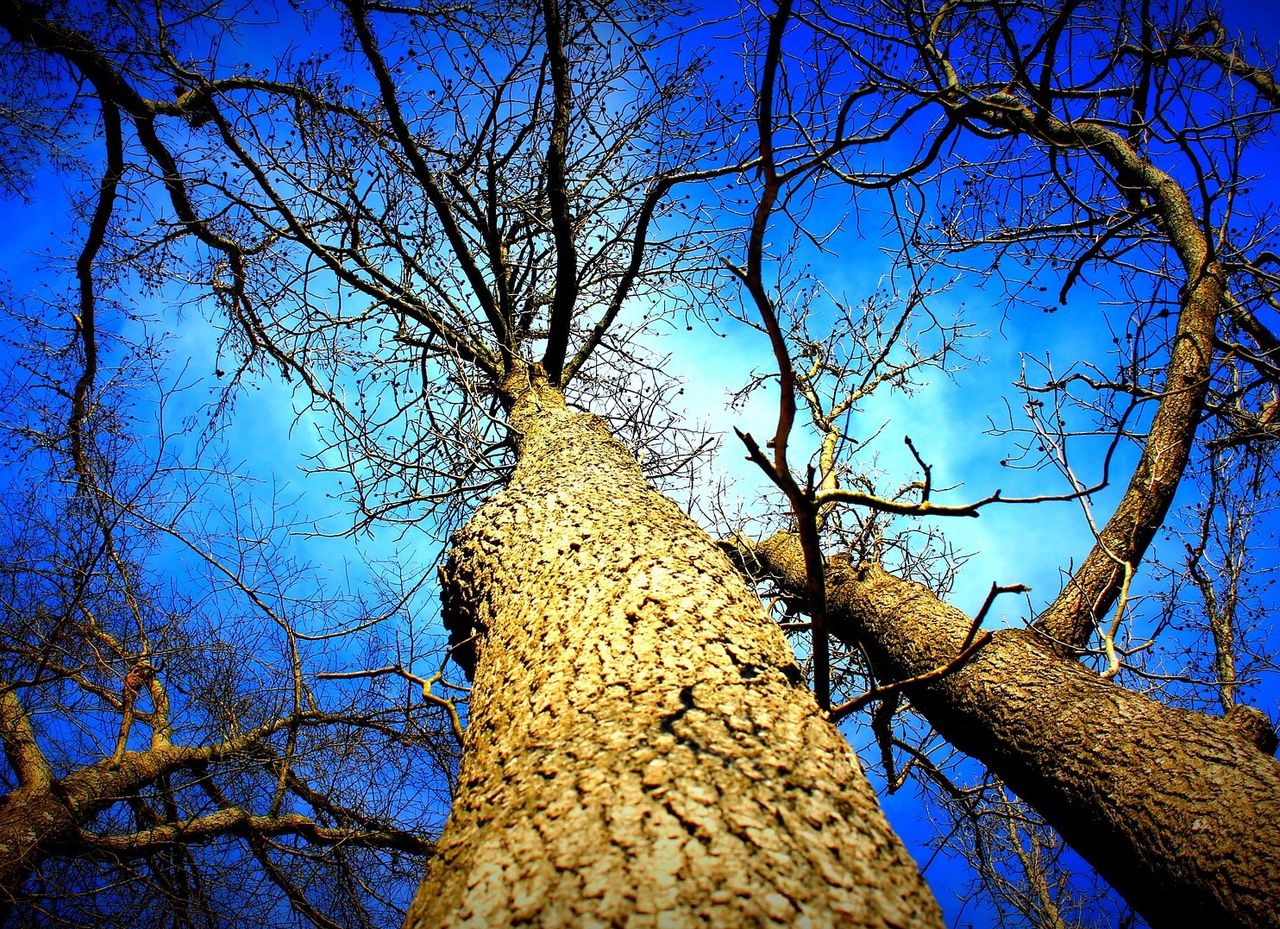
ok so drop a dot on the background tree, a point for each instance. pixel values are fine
(172, 759)
(1092, 145)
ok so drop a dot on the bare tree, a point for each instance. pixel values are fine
(169, 744)
(452, 227)
(1100, 147)
(442, 265)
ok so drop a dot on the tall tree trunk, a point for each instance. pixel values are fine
(641, 749)
(1179, 811)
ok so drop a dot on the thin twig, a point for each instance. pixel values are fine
(877, 693)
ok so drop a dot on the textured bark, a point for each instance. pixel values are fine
(1179, 811)
(47, 817)
(641, 749)
(44, 818)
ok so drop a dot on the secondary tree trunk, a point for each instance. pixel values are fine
(42, 819)
(1179, 811)
(641, 749)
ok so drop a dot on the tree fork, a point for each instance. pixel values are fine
(40, 819)
(641, 749)
(1179, 811)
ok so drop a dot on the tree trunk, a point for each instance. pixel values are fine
(31, 821)
(641, 749)
(1179, 811)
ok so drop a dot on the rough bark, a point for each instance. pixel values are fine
(641, 748)
(47, 817)
(1179, 811)
(41, 819)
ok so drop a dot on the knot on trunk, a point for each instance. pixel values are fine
(1254, 726)
(458, 614)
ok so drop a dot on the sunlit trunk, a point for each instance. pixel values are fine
(641, 749)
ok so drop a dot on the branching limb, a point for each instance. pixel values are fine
(425, 683)
(86, 320)
(1230, 60)
(21, 750)
(562, 223)
(1073, 617)
(236, 821)
(779, 470)
(879, 693)
(358, 11)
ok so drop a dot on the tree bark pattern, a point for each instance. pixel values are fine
(1179, 811)
(38, 820)
(641, 749)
